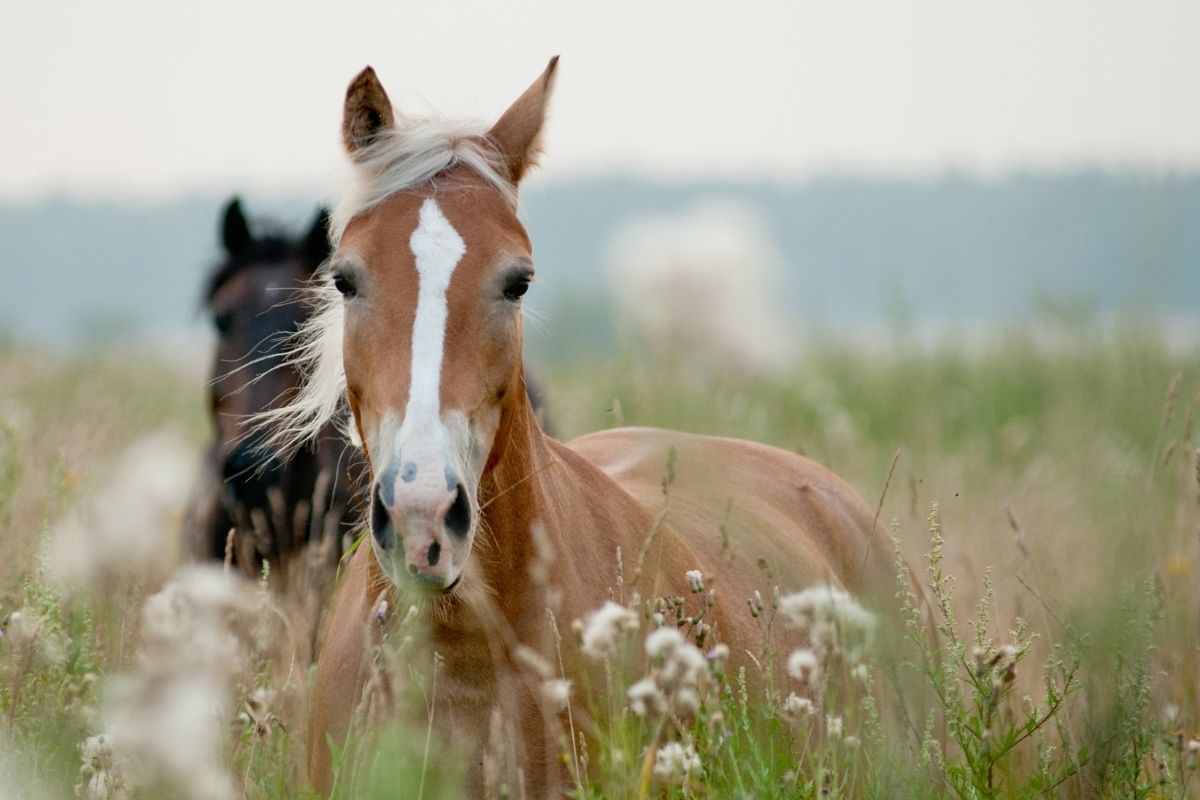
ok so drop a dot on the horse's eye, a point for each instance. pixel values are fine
(516, 287)
(223, 323)
(344, 285)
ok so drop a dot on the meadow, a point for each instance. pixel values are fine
(1045, 491)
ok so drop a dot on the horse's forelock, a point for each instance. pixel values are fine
(413, 153)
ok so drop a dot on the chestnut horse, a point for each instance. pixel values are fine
(421, 332)
(274, 503)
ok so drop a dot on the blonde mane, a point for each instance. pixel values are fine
(413, 153)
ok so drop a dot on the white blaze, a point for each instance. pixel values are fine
(438, 248)
(422, 439)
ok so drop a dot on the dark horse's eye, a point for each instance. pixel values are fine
(344, 285)
(516, 287)
(223, 322)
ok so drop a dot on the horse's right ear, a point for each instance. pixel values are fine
(235, 231)
(368, 111)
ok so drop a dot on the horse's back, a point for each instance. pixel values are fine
(739, 501)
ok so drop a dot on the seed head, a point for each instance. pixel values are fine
(805, 667)
(834, 726)
(674, 760)
(796, 706)
(604, 626)
(556, 694)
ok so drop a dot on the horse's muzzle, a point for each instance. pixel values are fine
(421, 536)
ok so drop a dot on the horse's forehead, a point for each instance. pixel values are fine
(480, 219)
(255, 284)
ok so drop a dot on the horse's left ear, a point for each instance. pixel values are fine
(518, 132)
(315, 247)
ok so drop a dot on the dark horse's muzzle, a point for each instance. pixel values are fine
(249, 475)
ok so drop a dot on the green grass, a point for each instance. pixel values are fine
(1048, 496)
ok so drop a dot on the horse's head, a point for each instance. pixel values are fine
(253, 303)
(431, 265)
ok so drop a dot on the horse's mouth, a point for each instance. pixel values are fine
(429, 588)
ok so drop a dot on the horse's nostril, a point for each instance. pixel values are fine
(458, 518)
(435, 552)
(412, 569)
(248, 462)
(381, 523)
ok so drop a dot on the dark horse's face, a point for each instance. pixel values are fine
(255, 305)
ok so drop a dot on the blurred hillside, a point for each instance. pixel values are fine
(856, 251)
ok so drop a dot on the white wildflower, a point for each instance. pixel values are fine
(834, 621)
(201, 619)
(683, 665)
(125, 526)
(797, 706)
(646, 698)
(168, 716)
(99, 773)
(556, 693)
(805, 667)
(169, 730)
(860, 673)
(663, 641)
(695, 580)
(686, 702)
(27, 631)
(675, 760)
(604, 626)
(834, 726)
(852, 742)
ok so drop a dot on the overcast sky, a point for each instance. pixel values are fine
(132, 99)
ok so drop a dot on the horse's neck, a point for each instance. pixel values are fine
(511, 504)
(550, 512)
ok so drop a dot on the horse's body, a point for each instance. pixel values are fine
(503, 534)
(603, 494)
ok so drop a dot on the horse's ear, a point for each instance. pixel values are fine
(368, 111)
(315, 247)
(518, 131)
(235, 231)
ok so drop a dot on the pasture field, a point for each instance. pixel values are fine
(1047, 497)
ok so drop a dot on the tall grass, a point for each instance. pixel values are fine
(1047, 496)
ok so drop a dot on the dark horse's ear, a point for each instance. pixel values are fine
(315, 247)
(235, 231)
(367, 113)
(518, 132)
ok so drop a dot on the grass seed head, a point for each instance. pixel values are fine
(599, 635)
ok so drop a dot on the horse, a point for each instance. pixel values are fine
(254, 507)
(482, 525)
(273, 504)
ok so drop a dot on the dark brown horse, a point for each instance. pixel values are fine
(274, 506)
